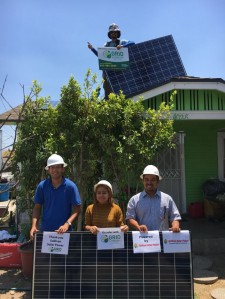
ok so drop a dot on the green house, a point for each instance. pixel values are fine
(199, 123)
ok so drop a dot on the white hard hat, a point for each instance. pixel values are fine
(151, 169)
(114, 28)
(55, 160)
(105, 183)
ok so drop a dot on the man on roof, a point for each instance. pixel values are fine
(114, 34)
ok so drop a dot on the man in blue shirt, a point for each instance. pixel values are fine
(114, 34)
(152, 209)
(57, 198)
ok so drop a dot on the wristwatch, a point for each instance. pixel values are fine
(69, 223)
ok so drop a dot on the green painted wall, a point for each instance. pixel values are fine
(200, 154)
(191, 100)
(201, 135)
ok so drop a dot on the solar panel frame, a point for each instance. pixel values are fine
(152, 63)
(99, 274)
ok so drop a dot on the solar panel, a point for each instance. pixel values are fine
(152, 63)
(104, 274)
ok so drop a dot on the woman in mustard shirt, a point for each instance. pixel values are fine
(104, 212)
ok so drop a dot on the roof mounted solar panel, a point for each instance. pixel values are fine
(89, 273)
(152, 63)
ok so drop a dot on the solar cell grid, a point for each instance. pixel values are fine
(152, 63)
(89, 273)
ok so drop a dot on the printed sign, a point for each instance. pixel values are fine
(146, 242)
(55, 243)
(110, 238)
(110, 58)
(176, 242)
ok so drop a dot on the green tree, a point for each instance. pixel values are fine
(112, 139)
(34, 131)
(129, 138)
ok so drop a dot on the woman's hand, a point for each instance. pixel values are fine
(124, 228)
(93, 230)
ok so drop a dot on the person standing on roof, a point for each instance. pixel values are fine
(56, 198)
(152, 209)
(114, 34)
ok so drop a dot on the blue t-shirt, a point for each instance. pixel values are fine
(57, 202)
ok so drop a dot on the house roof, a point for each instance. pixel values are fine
(11, 116)
(184, 82)
(196, 79)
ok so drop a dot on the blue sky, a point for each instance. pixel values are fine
(46, 40)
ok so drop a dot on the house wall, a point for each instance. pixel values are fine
(200, 145)
(200, 154)
(191, 100)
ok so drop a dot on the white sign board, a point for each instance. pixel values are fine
(110, 238)
(146, 242)
(55, 243)
(110, 58)
(176, 242)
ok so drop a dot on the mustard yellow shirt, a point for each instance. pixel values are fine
(104, 215)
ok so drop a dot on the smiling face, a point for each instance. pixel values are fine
(103, 194)
(56, 171)
(150, 182)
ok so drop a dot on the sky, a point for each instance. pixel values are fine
(46, 40)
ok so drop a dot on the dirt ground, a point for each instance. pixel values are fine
(202, 291)
(13, 285)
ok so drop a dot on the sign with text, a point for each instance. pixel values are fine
(176, 242)
(110, 238)
(55, 243)
(146, 242)
(110, 58)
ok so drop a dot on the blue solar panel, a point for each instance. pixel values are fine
(152, 63)
(89, 273)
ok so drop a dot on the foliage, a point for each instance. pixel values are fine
(30, 153)
(131, 138)
(112, 139)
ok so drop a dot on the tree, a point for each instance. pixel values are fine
(7, 165)
(112, 139)
(131, 138)
(36, 127)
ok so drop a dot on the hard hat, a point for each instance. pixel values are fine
(150, 169)
(114, 27)
(54, 160)
(104, 183)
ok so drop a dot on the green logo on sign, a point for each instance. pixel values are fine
(107, 54)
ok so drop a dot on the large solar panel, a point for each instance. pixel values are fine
(152, 63)
(104, 274)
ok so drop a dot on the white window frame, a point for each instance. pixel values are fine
(221, 155)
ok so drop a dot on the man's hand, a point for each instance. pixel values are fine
(143, 228)
(175, 226)
(32, 232)
(63, 228)
(90, 46)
